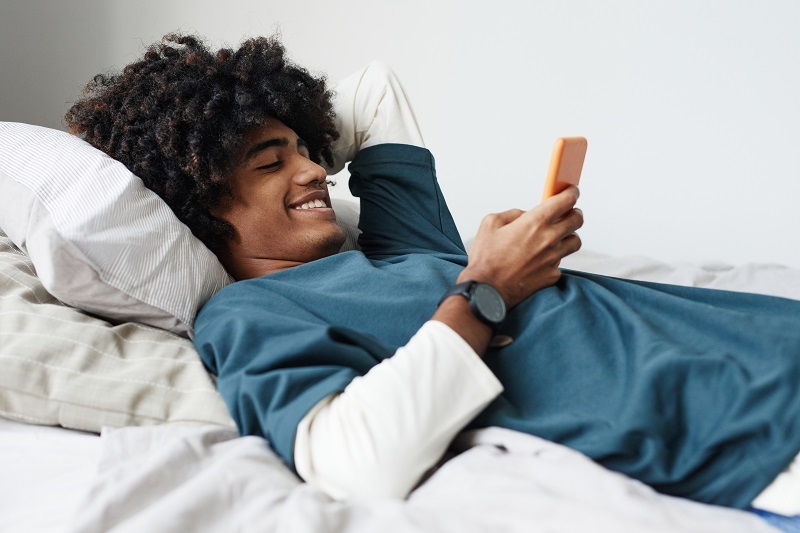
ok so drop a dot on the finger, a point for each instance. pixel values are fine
(555, 232)
(496, 220)
(571, 222)
(557, 205)
(569, 245)
(565, 200)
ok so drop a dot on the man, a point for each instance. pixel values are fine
(360, 367)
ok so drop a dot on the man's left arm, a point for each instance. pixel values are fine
(371, 108)
(400, 211)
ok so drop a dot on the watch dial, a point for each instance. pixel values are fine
(490, 303)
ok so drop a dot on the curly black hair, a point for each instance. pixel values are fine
(176, 118)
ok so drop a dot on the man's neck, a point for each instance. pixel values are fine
(253, 267)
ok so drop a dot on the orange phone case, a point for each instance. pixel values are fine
(566, 164)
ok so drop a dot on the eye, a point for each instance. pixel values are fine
(302, 149)
(272, 166)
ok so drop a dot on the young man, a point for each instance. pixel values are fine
(360, 367)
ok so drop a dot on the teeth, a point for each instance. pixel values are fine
(312, 204)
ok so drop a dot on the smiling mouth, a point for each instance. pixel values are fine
(313, 204)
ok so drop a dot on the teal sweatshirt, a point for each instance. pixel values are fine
(692, 391)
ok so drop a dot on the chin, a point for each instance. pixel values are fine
(332, 244)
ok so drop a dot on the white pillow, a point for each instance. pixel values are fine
(99, 239)
(63, 367)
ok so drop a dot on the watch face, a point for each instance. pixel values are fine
(489, 302)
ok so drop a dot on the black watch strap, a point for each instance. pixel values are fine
(484, 301)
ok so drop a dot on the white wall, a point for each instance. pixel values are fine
(691, 107)
(49, 50)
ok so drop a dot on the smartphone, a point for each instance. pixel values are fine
(566, 164)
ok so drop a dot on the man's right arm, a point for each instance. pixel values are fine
(378, 437)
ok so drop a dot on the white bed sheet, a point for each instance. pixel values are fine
(202, 478)
(161, 479)
(44, 474)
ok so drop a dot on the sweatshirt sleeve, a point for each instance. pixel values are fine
(379, 436)
(371, 108)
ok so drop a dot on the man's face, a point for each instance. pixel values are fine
(280, 209)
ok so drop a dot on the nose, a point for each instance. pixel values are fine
(309, 172)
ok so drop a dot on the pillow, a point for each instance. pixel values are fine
(347, 213)
(63, 367)
(100, 240)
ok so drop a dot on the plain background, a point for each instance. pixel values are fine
(691, 107)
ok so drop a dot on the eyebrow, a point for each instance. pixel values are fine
(269, 143)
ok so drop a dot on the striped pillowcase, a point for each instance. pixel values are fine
(63, 367)
(99, 239)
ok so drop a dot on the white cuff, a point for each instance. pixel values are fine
(378, 437)
(371, 108)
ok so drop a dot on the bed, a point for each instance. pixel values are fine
(109, 422)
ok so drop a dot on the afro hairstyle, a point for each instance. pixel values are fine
(176, 118)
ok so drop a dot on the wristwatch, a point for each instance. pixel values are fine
(484, 301)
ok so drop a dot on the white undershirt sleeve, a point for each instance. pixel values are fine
(371, 108)
(378, 437)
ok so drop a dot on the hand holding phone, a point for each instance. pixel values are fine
(566, 164)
